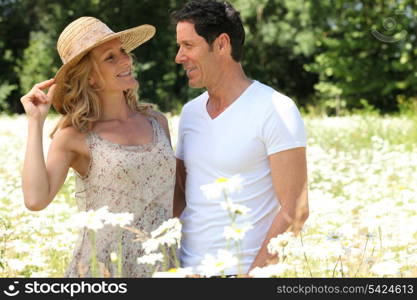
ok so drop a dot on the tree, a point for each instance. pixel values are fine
(334, 54)
(367, 64)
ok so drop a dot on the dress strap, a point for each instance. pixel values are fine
(159, 127)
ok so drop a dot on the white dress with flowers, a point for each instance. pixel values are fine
(126, 179)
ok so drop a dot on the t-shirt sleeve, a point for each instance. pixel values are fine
(282, 128)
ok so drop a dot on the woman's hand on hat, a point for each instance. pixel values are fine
(37, 102)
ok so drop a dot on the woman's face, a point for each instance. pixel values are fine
(114, 67)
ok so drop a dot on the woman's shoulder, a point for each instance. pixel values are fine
(159, 116)
(70, 138)
(69, 132)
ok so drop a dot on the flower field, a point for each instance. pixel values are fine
(362, 196)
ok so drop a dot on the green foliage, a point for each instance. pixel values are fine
(37, 63)
(280, 40)
(330, 101)
(330, 56)
(407, 106)
(367, 62)
(5, 91)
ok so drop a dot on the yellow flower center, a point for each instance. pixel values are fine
(221, 180)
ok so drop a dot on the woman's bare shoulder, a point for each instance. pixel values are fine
(71, 139)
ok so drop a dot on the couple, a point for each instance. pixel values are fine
(121, 152)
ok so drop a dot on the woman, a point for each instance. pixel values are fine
(120, 150)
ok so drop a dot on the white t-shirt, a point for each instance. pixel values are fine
(238, 141)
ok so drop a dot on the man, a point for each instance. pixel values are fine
(238, 126)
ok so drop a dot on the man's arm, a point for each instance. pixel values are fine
(289, 178)
(179, 192)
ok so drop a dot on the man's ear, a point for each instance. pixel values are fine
(223, 41)
(222, 44)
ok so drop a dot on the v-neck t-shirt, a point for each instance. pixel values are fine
(260, 122)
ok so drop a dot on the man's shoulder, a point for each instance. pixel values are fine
(270, 96)
(195, 103)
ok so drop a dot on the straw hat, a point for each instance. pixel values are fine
(84, 34)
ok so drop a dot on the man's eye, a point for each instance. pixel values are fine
(123, 50)
(110, 57)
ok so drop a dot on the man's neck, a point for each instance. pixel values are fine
(227, 88)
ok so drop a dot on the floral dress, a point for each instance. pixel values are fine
(134, 179)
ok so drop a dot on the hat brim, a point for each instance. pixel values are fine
(130, 39)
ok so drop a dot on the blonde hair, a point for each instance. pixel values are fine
(80, 101)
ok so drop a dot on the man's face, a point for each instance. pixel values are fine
(194, 53)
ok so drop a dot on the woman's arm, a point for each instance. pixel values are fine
(41, 181)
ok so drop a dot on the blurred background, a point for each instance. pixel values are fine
(332, 57)
(350, 66)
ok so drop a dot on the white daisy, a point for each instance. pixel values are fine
(236, 232)
(174, 273)
(150, 259)
(211, 266)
